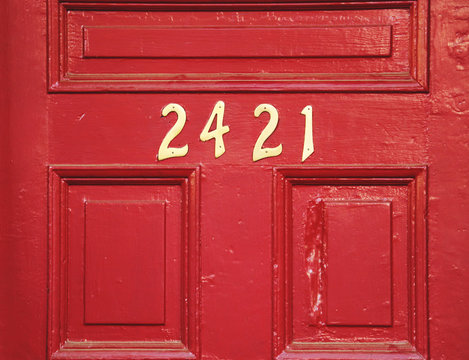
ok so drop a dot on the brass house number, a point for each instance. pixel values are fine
(259, 151)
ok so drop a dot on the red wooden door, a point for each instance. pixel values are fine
(234, 180)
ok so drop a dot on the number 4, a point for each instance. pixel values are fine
(220, 130)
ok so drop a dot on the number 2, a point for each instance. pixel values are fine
(166, 152)
(259, 152)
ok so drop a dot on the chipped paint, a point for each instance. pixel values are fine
(314, 257)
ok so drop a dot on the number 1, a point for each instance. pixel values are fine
(308, 146)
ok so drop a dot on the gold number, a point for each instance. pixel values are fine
(166, 152)
(308, 146)
(259, 152)
(220, 130)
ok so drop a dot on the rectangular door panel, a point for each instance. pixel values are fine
(350, 251)
(255, 46)
(124, 262)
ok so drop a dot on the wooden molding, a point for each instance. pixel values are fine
(94, 48)
(62, 180)
(316, 341)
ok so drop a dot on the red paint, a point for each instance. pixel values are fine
(96, 296)
(233, 42)
(359, 242)
(246, 46)
(225, 258)
(389, 317)
(124, 241)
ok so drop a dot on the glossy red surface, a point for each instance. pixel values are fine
(239, 46)
(124, 241)
(360, 252)
(359, 243)
(324, 297)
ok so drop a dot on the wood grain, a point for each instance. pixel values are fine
(237, 42)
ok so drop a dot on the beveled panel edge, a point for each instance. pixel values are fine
(60, 177)
(414, 81)
(414, 177)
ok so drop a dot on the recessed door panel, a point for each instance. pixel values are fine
(349, 245)
(253, 46)
(124, 262)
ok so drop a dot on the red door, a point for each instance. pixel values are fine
(249, 180)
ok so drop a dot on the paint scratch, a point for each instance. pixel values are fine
(80, 118)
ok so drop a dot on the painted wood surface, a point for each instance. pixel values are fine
(246, 46)
(251, 256)
(236, 42)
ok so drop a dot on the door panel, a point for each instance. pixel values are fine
(250, 46)
(357, 251)
(124, 262)
(350, 272)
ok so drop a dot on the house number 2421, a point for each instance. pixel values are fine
(259, 152)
